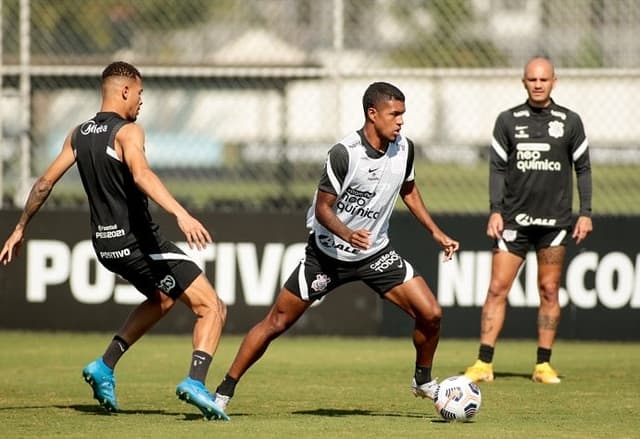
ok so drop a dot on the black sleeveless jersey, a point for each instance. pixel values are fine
(534, 152)
(119, 210)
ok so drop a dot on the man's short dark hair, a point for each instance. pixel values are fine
(380, 91)
(120, 68)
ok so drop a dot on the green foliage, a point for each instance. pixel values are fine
(446, 42)
(589, 54)
(440, 52)
(95, 27)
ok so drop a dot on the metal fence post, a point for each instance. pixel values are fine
(25, 97)
(1, 122)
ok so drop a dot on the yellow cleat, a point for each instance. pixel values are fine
(480, 371)
(544, 373)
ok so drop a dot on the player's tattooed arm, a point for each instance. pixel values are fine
(37, 196)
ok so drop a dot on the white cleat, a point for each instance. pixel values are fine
(426, 390)
(222, 401)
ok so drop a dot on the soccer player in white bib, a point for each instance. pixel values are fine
(364, 174)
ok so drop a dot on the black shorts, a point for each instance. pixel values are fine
(165, 268)
(519, 241)
(319, 274)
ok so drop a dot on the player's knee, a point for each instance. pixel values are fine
(549, 291)
(432, 317)
(277, 323)
(277, 326)
(211, 307)
(498, 291)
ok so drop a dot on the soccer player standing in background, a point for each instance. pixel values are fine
(349, 219)
(109, 150)
(535, 148)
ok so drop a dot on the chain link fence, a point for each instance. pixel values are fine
(243, 98)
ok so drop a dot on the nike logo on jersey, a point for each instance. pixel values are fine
(373, 174)
(521, 133)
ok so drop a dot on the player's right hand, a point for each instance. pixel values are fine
(495, 226)
(360, 239)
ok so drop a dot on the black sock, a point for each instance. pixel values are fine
(486, 353)
(544, 355)
(422, 374)
(228, 386)
(115, 350)
(200, 362)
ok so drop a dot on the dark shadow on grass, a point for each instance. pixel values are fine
(512, 375)
(97, 410)
(508, 375)
(26, 407)
(92, 409)
(444, 421)
(357, 412)
(84, 408)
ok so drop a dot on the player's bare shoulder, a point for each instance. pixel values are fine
(130, 135)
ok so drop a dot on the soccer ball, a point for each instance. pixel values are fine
(457, 399)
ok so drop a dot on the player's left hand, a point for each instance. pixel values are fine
(583, 227)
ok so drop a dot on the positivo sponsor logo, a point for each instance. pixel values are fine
(609, 279)
(117, 254)
(244, 268)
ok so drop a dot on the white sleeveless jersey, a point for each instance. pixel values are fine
(367, 184)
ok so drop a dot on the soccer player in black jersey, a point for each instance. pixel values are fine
(536, 147)
(364, 175)
(109, 151)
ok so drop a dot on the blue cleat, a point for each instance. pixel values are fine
(194, 392)
(100, 378)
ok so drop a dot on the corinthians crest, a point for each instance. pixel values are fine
(321, 282)
(166, 284)
(556, 129)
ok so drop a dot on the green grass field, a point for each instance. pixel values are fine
(314, 387)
